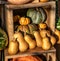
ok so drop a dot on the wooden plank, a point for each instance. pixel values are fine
(39, 4)
(52, 17)
(35, 51)
(9, 23)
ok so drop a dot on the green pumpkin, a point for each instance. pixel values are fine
(3, 39)
(36, 16)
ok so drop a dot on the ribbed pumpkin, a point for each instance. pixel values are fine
(36, 16)
(24, 21)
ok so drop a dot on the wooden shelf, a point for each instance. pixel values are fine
(35, 51)
(29, 5)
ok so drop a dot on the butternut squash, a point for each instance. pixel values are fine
(53, 40)
(23, 45)
(13, 47)
(30, 41)
(57, 32)
(38, 38)
(43, 33)
(46, 44)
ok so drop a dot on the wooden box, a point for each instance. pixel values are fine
(9, 15)
(9, 8)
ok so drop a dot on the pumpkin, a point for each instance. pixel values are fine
(24, 21)
(42, 26)
(36, 15)
(27, 28)
(18, 1)
(3, 39)
(44, 0)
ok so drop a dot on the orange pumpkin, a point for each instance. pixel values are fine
(24, 21)
(43, 25)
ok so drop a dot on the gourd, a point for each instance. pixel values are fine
(43, 33)
(57, 32)
(45, 43)
(13, 47)
(23, 45)
(32, 27)
(24, 21)
(23, 28)
(44, 0)
(35, 15)
(27, 28)
(30, 41)
(3, 39)
(42, 26)
(53, 40)
(38, 38)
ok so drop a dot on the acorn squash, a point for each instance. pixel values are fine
(3, 39)
(36, 16)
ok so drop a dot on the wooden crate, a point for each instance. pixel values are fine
(50, 22)
(49, 54)
(9, 15)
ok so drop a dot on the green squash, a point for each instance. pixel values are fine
(36, 16)
(3, 39)
(32, 28)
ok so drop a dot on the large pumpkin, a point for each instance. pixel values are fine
(36, 16)
(18, 1)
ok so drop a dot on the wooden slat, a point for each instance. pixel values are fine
(35, 51)
(9, 23)
(39, 4)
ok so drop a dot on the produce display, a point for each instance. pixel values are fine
(3, 39)
(32, 32)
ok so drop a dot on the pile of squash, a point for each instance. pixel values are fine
(32, 33)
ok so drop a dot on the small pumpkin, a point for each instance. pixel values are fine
(42, 25)
(24, 21)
